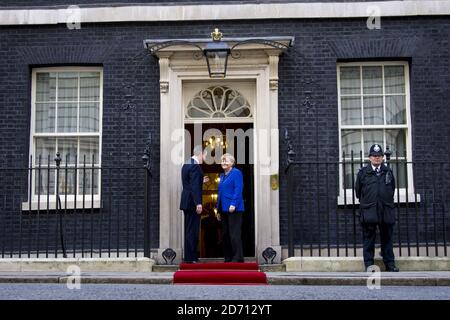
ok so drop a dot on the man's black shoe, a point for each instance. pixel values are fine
(392, 269)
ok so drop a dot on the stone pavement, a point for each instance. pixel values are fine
(424, 278)
(416, 271)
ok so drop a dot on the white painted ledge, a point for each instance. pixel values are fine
(139, 264)
(348, 198)
(87, 204)
(148, 13)
(356, 264)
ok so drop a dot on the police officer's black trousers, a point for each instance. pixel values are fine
(191, 230)
(369, 235)
(232, 243)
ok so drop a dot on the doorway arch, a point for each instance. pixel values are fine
(219, 116)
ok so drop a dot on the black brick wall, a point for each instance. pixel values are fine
(310, 66)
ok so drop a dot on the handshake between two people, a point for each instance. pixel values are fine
(199, 208)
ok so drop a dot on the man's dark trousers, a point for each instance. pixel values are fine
(191, 225)
(191, 197)
(369, 235)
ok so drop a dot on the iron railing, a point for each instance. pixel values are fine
(322, 212)
(114, 218)
(52, 209)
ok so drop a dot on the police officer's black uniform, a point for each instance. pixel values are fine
(375, 191)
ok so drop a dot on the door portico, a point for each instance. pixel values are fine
(257, 64)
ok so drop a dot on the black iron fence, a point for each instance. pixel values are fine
(322, 211)
(56, 209)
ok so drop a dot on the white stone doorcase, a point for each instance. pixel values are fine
(182, 64)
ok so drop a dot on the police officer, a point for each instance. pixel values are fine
(374, 187)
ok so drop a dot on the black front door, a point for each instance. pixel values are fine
(210, 244)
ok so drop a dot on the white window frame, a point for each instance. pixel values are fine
(348, 192)
(89, 202)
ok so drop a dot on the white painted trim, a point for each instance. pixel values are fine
(215, 120)
(407, 126)
(376, 126)
(148, 13)
(70, 134)
(349, 198)
(88, 203)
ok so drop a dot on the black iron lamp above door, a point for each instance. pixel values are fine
(216, 55)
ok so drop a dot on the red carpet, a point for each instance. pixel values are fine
(220, 266)
(220, 273)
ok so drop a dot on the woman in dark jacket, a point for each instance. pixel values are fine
(231, 207)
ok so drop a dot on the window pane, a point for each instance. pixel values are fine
(373, 110)
(351, 110)
(85, 181)
(45, 87)
(67, 117)
(238, 107)
(372, 80)
(396, 140)
(394, 79)
(68, 86)
(243, 112)
(350, 80)
(67, 148)
(89, 86)
(399, 171)
(44, 181)
(351, 141)
(201, 106)
(66, 180)
(45, 117)
(89, 117)
(217, 97)
(349, 175)
(89, 147)
(45, 147)
(395, 110)
(371, 137)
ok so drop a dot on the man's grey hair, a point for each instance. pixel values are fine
(198, 150)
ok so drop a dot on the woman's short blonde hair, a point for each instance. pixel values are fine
(229, 157)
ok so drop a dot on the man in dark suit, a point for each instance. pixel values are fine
(191, 202)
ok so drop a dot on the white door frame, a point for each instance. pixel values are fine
(262, 68)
